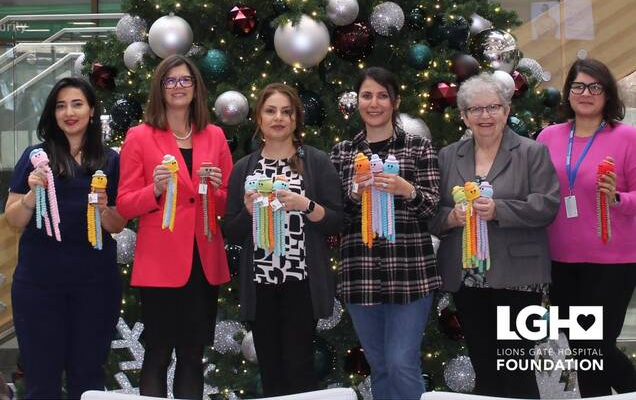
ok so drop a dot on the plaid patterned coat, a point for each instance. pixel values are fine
(399, 272)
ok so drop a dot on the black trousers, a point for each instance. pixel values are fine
(284, 329)
(610, 286)
(477, 309)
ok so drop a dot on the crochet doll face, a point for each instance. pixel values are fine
(362, 164)
(281, 183)
(99, 180)
(459, 196)
(251, 183)
(265, 185)
(38, 158)
(485, 189)
(170, 162)
(391, 165)
(376, 164)
(472, 191)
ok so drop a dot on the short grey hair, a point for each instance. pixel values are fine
(477, 85)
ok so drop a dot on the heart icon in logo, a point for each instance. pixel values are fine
(586, 321)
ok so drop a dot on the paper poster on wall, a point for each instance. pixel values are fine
(578, 20)
(545, 20)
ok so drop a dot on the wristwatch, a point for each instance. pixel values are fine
(310, 207)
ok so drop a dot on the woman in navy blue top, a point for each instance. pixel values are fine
(66, 294)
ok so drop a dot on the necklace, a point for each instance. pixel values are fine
(186, 137)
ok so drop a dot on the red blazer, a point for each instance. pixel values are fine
(164, 258)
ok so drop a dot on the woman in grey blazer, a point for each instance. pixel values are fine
(525, 201)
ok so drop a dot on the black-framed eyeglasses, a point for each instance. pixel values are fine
(185, 81)
(490, 109)
(595, 88)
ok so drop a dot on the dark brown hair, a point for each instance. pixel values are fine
(614, 109)
(295, 162)
(384, 78)
(56, 144)
(155, 114)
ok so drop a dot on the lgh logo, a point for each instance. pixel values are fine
(585, 323)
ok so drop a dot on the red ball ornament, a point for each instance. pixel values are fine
(449, 324)
(354, 41)
(241, 20)
(103, 76)
(443, 95)
(521, 84)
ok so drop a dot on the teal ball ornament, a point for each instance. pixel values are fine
(214, 64)
(419, 56)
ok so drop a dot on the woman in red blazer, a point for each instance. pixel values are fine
(178, 271)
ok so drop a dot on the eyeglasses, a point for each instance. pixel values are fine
(185, 82)
(594, 88)
(490, 109)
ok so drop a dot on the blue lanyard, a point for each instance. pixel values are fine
(571, 173)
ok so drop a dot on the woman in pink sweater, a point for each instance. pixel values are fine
(585, 270)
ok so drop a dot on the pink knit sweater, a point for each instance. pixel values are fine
(575, 239)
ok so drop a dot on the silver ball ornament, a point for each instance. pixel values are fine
(126, 240)
(170, 35)
(496, 49)
(77, 65)
(348, 103)
(506, 81)
(225, 334)
(460, 375)
(478, 24)
(231, 107)
(303, 45)
(134, 54)
(342, 12)
(248, 349)
(130, 29)
(387, 18)
(414, 126)
(531, 69)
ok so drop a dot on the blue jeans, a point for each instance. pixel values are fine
(391, 336)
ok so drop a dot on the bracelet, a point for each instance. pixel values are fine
(25, 205)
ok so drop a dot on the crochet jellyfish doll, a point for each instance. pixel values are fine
(170, 205)
(251, 183)
(483, 248)
(376, 194)
(391, 166)
(40, 159)
(471, 190)
(280, 183)
(99, 182)
(363, 166)
(604, 226)
(265, 227)
(206, 190)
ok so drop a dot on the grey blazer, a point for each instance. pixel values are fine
(527, 195)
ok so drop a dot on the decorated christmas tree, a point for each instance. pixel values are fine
(318, 46)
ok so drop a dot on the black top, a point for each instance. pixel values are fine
(187, 157)
(377, 146)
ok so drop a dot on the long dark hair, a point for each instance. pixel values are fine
(56, 144)
(155, 114)
(384, 78)
(614, 109)
(295, 162)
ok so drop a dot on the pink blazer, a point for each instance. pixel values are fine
(164, 258)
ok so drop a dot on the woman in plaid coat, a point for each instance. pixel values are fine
(388, 288)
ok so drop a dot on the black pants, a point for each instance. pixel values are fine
(610, 286)
(477, 309)
(284, 329)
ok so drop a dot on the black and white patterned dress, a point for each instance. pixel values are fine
(271, 269)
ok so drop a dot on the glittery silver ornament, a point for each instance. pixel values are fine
(478, 24)
(130, 29)
(324, 324)
(531, 69)
(460, 375)
(581, 54)
(414, 126)
(125, 245)
(233, 396)
(496, 49)
(342, 12)
(348, 103)
(248, 349)
(443, 302)
(129, 340)
(231, 107)
(106, 129)
(196, 51)
(170, 35)
(303, 45)
(77, 65)
(387, 18)
(546, 76)
(134, 54)
(224, 337)
(506, 81)
(208, 389)
(364, 388)
(435, 240)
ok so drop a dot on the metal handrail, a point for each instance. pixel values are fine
(9, 54)
(39, 76)
(59, 17)
(64, 31)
